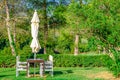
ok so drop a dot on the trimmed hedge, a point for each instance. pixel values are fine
(62, 60)
(81, 60)
(7, 61)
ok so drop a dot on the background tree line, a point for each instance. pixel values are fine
(74, 26)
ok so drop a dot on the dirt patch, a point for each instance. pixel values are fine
(104, 75)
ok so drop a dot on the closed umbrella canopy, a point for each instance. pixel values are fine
(34, 31)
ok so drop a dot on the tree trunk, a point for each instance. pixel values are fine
(76, 44)
(45, 26)
(80, 2)
(14, 21)
(8, 29)
(14, 33)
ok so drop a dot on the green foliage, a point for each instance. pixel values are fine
(99, 18)
(3, 43)
(6, 58)
(25, 52)
(58, 20)
(65, 42)
(83, 47)
(114, 66)
(61, 60)
(92, 44)
(22, 39)
(71, 16)
(103, 20)
(3, 39)
(81, 60)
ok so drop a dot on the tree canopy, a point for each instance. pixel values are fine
(96, 22)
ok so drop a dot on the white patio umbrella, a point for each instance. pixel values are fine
(34, 31)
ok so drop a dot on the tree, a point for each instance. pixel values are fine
(74, 22)
(103, 20)
(45, 25)
(11, 8)
(12, 45)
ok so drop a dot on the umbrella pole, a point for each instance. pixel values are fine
(34, 63)
(34, 56)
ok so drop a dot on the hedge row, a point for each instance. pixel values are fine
(81, 60)
(7, 61)
(62, 60)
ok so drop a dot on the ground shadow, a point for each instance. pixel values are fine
(62, 72)
(5, 75)
(69, 71)
(58, 72)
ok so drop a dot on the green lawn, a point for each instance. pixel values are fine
(60, 73)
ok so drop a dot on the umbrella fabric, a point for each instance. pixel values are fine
(34, 31)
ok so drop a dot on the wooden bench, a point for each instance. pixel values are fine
(20, 66)
(48, 66)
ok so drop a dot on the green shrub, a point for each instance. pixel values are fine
(84, 60)
(114, 65)
(6, 58)
(62, 60)
(65, 42)
(81, 60)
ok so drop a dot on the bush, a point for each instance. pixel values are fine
(114, 65)
(81, 60)
(61, 60)
(65, 42)
(6, 58)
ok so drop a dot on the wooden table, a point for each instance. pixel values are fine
(35, 61)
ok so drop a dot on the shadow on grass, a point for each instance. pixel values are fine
(5, 75)
(58, 72)
(62, 72)
(69, 71)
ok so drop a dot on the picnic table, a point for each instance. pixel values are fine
(35, 61)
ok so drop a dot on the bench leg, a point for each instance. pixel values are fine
(17, 73)
(41, 70)
(28, 75)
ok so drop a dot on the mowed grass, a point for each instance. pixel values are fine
(60, 73)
